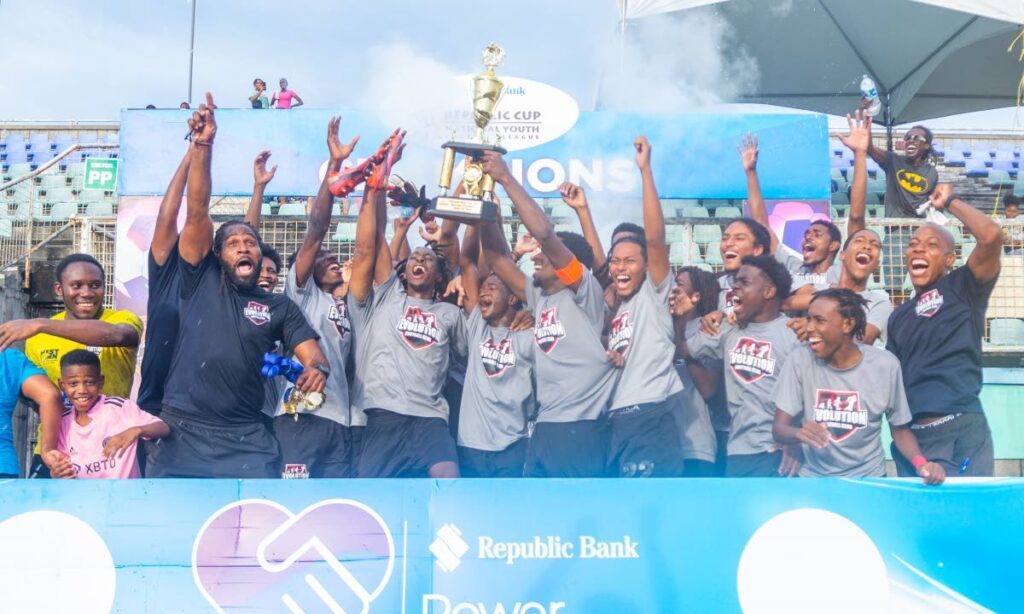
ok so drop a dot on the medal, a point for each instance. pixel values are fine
(294, 401)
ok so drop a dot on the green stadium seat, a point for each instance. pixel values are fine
(707, 233)
(872, 198)
(677, 254)
(76, 171)
(880, 231)
(18, 169)
(999, 179)
(53, 180)
(265, 209)
(958, 235)
(292, 208)
(563, 211)
(345, 233)
(63, 210)
(99, 209)
(506, 211)
(714, 254)
(566, 228)
(6, 228)
(508, 232)
(704, 267)
(59, 195)
(673, 233)
(875, 211)
(669, 210)
(840, 198)
(21, 213)
(840, 210)
(966, 249)
(714, 203)
(877, 280)
(691, 211)
(728, 212)
(1006, 331)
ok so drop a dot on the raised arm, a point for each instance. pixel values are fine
(364, 256)
(496, 252)
(858, 142)
(468, 269)
(165, 232)
(574, 196)
(748, 152)
(654, 219)
(320, 213)
(399, 247)
(984, 261)
(261, 177)
(197, 235)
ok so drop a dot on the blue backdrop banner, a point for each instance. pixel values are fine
(694, 153)
(507, 546)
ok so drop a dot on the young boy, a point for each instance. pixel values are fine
(98, 438)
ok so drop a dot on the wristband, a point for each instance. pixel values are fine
(571, 273)
(918, 462)
(949, 201)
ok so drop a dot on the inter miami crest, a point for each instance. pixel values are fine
(338, 315)
(840, 411)
(549, 330)
(929, 303)
(751, 359)
(419, 328)
(497, 356)
(621, 334)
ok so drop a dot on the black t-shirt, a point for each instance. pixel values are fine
(937, 337)
(161, 329)
(222, 336)
(906, 185)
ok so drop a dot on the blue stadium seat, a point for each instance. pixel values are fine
(954, 157)
(39, 141)
(938, 147)
(975, 167)
(1006, 331)
(16, 156)
(1010, 166)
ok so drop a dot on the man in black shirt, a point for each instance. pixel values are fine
(937, 337)
(214, 391)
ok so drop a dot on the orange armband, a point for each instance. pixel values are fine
(571, 273)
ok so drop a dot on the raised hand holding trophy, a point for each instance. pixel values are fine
(476, 203)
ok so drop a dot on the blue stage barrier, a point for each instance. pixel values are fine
(524, 546)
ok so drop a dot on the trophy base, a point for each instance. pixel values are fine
(463, 209)
(473, 150)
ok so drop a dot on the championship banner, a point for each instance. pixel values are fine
(510, 546)
(549, 141)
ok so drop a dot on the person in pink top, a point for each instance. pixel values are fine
(286, 98)
(98, 438)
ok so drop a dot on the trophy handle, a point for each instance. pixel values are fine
(447, 166)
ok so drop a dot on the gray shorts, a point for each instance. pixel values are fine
(953, 441)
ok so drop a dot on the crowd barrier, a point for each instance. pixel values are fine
(523, 546)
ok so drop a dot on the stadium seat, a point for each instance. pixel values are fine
(875, 210)
(39, 141)
(714, 203)
(1018, 186)
(62, 211)
(876, 281)
(62, 141)
(59, 195)
(704, 267)
(954, 157)
(507, 212)
(99, 209)
(292, 208)
(1006, 331)
(563, 210)
(728, 212)
(14, 142)
(673, 233)
(566, 228)
(677, 254)
(53, 180)
(871, 198)
(998, 178)
(975, 167)
(982, 149)
(21, 213)
(17, 156)
(265, 209)
(872, 167)
(668, 210)
(880, 231)
(691, 211)
(714, 254)
(840, 198)
(112, 138)
(840, 210)
(346, 232)
(707, 233)
(1009, 166)
(6, 228)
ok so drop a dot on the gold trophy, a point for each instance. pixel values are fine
(477, 199)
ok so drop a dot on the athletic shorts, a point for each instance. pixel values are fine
(200, 450)
(763, 465)
(399, 446)
(507, 463)
(950, 441)
(568, 450)
(645, 441)
(693, 468)
(313, 447)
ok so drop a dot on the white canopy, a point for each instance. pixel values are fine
(929, 58)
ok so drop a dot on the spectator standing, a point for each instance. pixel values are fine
(18, 376)
(286, 98)
(1013, 230)
(259, 96)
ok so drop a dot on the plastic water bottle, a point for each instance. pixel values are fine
(868, 92)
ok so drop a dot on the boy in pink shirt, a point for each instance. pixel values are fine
(99, 436)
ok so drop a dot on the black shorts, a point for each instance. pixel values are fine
(507, 463)
(38, 470)
(567, 450)
(693, 468)
(951, 441)
(200, 450)
(313, 446)
(645, 442)
(399, 446)
(763, 465)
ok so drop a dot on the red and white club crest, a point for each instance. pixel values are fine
(929, 303)
(419, 328)
(840, 411)
(751, 359)
(549, 330)
(338, 315)
(257, 313)
(621, 334)
(496, 356)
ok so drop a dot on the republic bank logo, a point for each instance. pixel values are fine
(448, 547)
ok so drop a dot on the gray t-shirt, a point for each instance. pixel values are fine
(575, 379)
(329, 318)
(906, 186)
(498, 397)
(850, 402)
(878, 310)
(642, 332)
(725, 295)
(403, 347)
(802, 274)
(754, 356)
(692, 415)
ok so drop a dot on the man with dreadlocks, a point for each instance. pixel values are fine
(405, 339)
(841, 388)
(214, 392)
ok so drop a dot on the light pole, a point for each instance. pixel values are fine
(191, 50)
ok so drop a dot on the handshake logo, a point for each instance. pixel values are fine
(336, 555)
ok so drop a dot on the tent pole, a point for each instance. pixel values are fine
(888, 123)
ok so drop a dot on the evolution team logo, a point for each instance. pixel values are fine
(497, 356)
(840, 411)
(727, 304)
(257, 313)
(338, 315)
(256, 555)
(621, 334)
(549, 330)
(419, 328)
(929, 303)
(751, 359)
(912, 182)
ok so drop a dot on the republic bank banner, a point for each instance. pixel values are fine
(510, 546)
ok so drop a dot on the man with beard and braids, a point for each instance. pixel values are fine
(643, 430)
(498, 397)
(937, 337)
(575, 378)
(214, 390)
(754, 351)
(815, 265)
(319, 442)
(403, 345)
(862, 251)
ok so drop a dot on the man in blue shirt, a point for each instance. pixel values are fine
(18, 376)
